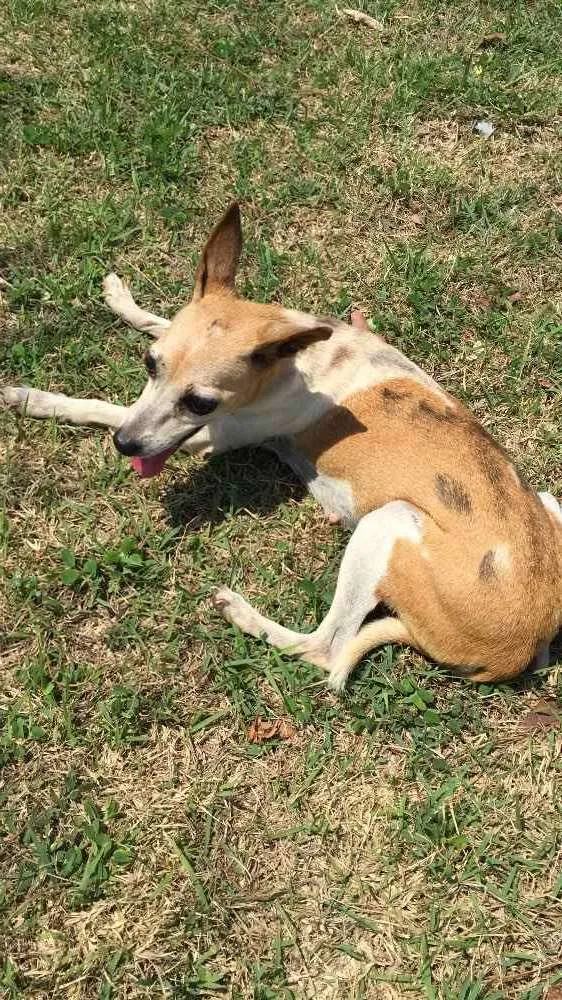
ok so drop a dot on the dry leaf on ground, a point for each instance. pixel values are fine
(483, 301)
(547, 714)
(260, 730)
(494, 38)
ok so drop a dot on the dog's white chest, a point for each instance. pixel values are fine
(335, 496)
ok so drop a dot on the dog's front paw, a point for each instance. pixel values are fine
(222, 599)
(14, 398)
(115, 292)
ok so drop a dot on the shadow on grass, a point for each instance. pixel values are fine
(253, 479)
(246, 480)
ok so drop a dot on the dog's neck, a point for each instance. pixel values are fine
(291, 402)
(310, 384)
(323, 375)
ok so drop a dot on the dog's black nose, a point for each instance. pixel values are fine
(127, 446)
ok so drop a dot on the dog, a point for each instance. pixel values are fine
(448, 535)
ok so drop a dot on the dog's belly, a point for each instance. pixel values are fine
(335, 496)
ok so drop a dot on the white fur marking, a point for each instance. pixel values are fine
(502, 557)
(551, 504)
(364, 565)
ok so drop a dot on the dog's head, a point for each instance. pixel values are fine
(220, 354)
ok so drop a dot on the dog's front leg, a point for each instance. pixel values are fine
(42, 405)
(119, 299)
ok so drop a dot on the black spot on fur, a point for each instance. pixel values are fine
(425, 409)
(487, 567)
(452, 494)
(391, 395)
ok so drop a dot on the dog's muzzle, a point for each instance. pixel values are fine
(125, 445)
(131, 447)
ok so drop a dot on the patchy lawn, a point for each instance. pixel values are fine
(407, 840)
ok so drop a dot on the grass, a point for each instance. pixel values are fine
(407, 842)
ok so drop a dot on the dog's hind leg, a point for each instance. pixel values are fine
(119, 299)
(337, 643)
(235, 609)
(42, 405)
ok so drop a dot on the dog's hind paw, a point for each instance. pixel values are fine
(235, 609)
(337, 678)
(13, 398)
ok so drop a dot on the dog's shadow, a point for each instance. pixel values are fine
(250, 479)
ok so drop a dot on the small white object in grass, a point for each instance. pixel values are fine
(484, 128)
(361, 18)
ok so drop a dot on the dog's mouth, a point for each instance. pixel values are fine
(153, 464)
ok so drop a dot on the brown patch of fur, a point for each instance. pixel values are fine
(495, 464)
(535, 538)
(340, 356)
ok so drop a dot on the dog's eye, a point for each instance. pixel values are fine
(199, 405)
(150, 363)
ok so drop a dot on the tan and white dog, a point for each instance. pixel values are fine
(448, 535)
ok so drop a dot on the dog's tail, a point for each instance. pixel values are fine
(377, 633)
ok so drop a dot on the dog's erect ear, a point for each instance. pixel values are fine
(219, 260)
(294, 340)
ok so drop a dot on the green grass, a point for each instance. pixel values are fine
(407, 843)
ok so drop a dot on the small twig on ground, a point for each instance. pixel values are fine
(361, 18)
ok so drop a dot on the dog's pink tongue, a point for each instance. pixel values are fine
(152, 466)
